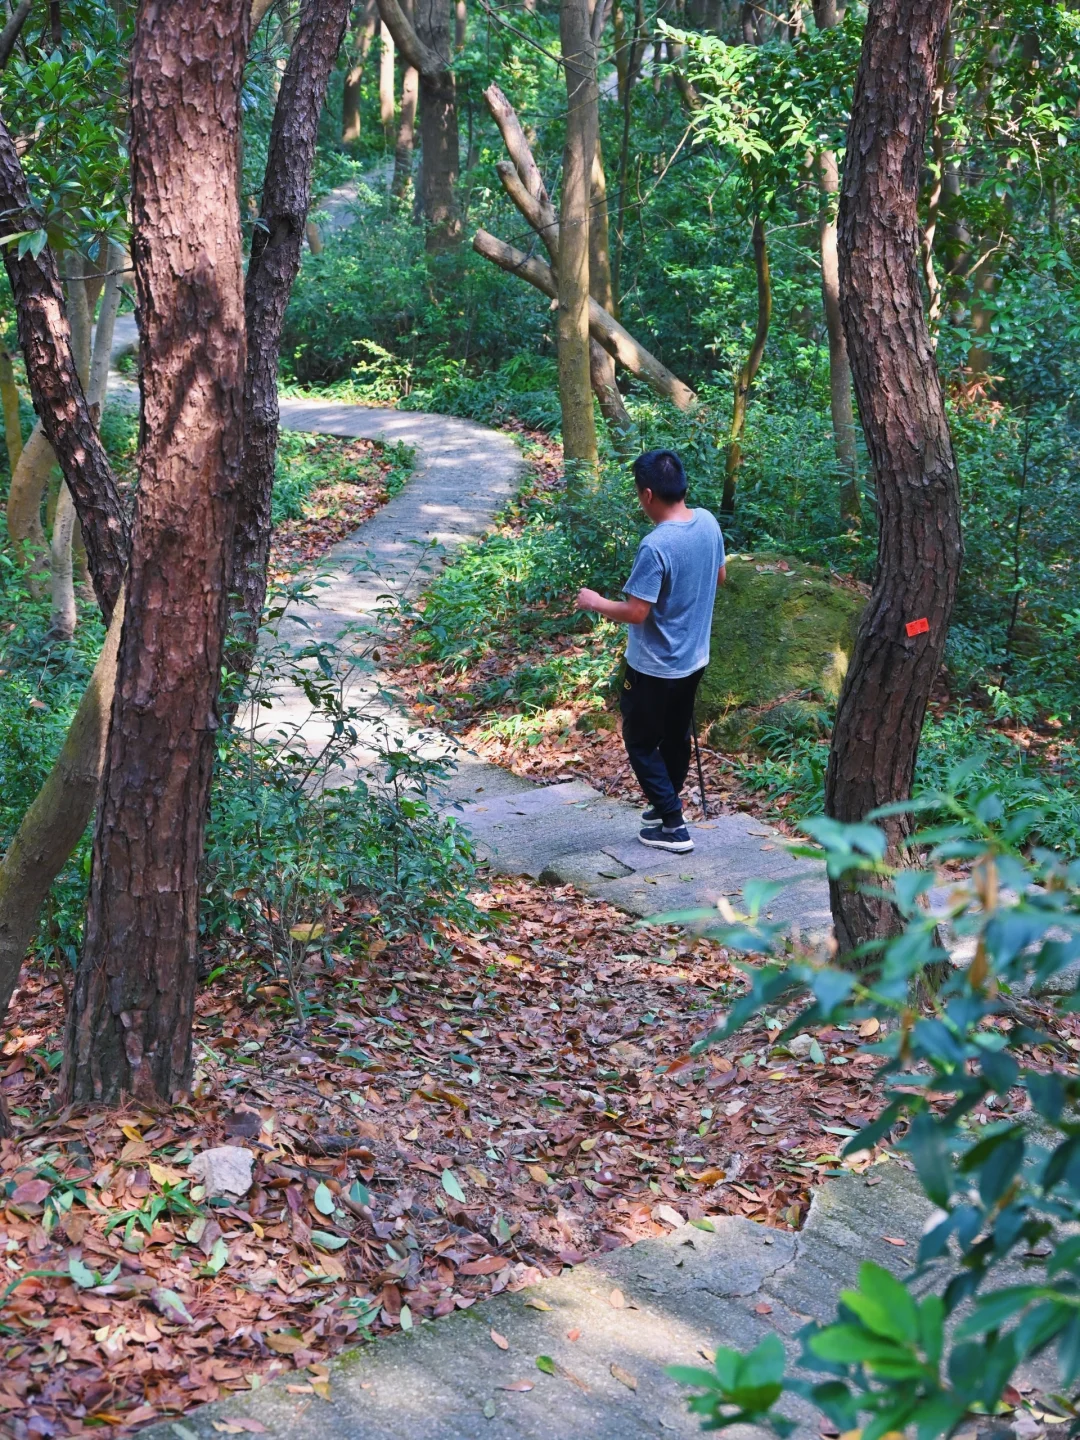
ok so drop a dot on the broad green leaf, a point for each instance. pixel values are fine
(883, 1304)
(325, 1241)
(324, 1198)
(452, 1186)
(83, 1276)
(546, 1364)
(219, 1256)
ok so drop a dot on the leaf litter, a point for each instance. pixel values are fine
(455, 1119)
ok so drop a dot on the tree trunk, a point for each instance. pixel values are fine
(745, 378)
(438, 128)
(601, 364)
(354, 74)
(28, 482)
(883, 702)
(57, 817)
(45, 338)
(104, 331)
(403, 150)
(129, 1025)
(843, 415)
(9, 399)
(386, 80)
(275, 259)
(572, 326)
(461, 21)
(61, 567)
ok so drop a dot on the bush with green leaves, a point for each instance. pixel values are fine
(999, 1265)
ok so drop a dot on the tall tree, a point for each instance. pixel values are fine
(901, 636)
(354, 74)
(425, 44)
(129, 1025)
(275, 259)
(579, 48)
(843, 416)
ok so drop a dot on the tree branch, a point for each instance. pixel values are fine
(10, 32)
(602, 326)
(45, 338)
(416, 53)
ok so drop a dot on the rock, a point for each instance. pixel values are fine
(225, 1170)
(800, 1044)
(669, 1215)
(780, 628)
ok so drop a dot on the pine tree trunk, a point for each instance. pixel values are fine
(601, 364)
(61, 566)
(354, 74)
(575, 392)
(880, 714)
(275, 259)
(386, 81)
(9, 399)
(129, 1024)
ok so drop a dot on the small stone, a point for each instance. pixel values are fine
(800, 1044)
(225, 1170)
(669, 1215)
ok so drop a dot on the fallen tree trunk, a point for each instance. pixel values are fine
(604, 327)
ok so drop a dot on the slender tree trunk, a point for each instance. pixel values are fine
(745, 378)
(57, 817)
(601, 364)
(45, 338)
(275, 259)
(61, 567)
(843, 415)
(386, 80)
(461, 21)
(403, 150)
(575, 391)
(104, 331)
(354, 74)
(28, 482)
(9, 399)
(129, 1029)
(883, 702)
(632, 54)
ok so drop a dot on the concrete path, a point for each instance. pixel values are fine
(565, 833)
(611, 1326)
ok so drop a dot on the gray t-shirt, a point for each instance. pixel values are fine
(676, 570)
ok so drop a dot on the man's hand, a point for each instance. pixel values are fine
(588, 600)
(624, 612)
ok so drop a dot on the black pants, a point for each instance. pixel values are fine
(657, 718)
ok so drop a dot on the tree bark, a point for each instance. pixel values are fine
(45, 338)
(275, 259)
(883, 702)
(461, 22)
(572, 323)
(746, 376)
(9, 399)
(354, 74)
(843, 415)
(406, 136)
(619, 342)
(61, 567)
(386, 80)
(10, 33)
(602, 365)
(129, 1024)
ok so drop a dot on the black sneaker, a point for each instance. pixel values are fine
(659, 837)
(651, 815)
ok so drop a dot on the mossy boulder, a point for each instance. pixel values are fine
(782, 633)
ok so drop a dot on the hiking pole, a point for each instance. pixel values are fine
(700, 772)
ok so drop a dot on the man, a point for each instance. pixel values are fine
(668, 608)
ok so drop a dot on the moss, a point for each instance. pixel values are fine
(778, 634)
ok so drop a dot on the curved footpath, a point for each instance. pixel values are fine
(564, 833)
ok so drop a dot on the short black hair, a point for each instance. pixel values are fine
(660, 471)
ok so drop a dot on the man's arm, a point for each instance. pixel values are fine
(631, 611)
(721, 576)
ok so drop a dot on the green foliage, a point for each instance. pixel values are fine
(739, 1389)
(305, 463)
(1006, 1191)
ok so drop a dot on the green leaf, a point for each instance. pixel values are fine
(883, 1304)
(170, 1300)
(452, 1186)
(359, 1194)
(703, 1224)
(83, 1276)
(546, 1364)
(405, 1319)
(817, 1055)
(324, 1198)
(219, 1256)
(325, 1241)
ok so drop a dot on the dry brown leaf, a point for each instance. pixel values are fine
(623, 1376)
(500, 1340)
